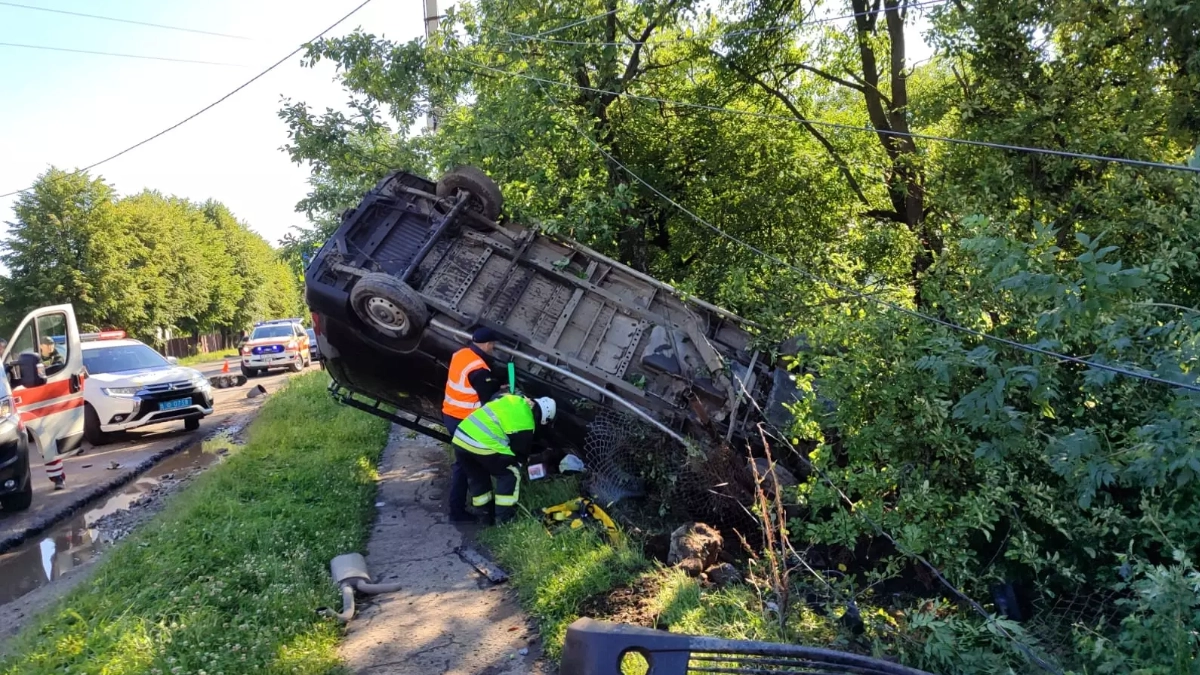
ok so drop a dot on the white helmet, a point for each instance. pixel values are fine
(548, 407)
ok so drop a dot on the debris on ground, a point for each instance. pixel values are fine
(772, 482)
(695, 548)
(722, 575)
(571, 464)
(484, 566)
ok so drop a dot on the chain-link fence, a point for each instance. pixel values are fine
(627, 458)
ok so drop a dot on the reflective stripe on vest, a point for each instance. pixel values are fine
(461, 398)
(486, 431)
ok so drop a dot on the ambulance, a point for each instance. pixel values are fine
(43, 363)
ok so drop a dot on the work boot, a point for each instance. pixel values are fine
(462, 517)
(60, 482)
(488, 517)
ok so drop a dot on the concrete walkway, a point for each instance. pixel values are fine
(447, 618)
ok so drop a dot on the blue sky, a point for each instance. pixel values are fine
(73, 109)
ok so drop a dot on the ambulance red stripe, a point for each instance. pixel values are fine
(69, 404)
(46, 392)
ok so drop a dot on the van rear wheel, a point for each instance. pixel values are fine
(388, 307)
(486, 199)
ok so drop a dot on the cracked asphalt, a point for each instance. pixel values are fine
(447, 618)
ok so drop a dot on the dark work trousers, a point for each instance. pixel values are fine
(482, 470)
(458, 474)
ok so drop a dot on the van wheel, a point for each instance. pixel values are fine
(388, 306)
(91, 427)
(486, 199)
(191, 424)
(19, 501)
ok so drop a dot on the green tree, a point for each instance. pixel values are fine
(144, 263)
(70, 243)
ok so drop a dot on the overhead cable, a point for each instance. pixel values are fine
(850, 127)
(212, 105)
(694, 38)
(551, 31)
(1125, 371)
(128, 21)
(124, 56)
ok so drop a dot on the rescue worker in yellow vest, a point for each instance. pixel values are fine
(493, 442)
(469, 384)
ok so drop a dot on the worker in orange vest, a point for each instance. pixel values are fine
(469, 385)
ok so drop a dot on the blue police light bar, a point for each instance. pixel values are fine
(278, 321)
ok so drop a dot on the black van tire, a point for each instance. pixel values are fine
(91, 427)
(486, 200)
(19, 501)
(388, 307)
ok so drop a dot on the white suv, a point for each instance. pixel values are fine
(130, 385)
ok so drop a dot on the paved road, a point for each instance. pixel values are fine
(89, 475)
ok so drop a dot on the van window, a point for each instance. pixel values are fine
(52, 342)
(25, 341)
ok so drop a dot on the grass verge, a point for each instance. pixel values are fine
(556, 573)
(561, 573)
(226, 580)
(208, 357)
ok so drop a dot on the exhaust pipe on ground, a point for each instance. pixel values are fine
(349, 572)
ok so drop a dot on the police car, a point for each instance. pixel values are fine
(281, 343)
(130, 385)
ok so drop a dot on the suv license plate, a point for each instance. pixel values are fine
(177, 403)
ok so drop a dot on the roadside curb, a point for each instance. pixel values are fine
(95, 492)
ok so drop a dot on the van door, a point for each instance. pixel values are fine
(45, 366)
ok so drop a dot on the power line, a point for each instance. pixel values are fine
(693, 38)
(125, 56)
(850, 127)
(128, 21)
(1117, 370)
(570, 25)
(212, 105)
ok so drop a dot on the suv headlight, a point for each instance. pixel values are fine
(121, 392)
(7, 409)
(200, 382)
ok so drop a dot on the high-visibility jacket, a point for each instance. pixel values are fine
(461, 398)
(487, 431)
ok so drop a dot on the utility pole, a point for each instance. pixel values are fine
(431, 27)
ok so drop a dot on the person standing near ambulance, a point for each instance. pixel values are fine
(470, 384)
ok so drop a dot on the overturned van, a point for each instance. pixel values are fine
(417, 263)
